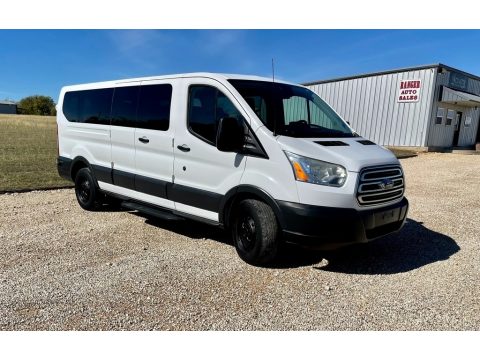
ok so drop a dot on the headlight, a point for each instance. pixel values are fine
(316, 171)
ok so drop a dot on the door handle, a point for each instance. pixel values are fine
(144, 140)
(183, 147)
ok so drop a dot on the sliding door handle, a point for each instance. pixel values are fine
(144, 140)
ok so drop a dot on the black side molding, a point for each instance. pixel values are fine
(102, 173)
(124, 179)
(187, 195)
(202, 199)
(151, 186)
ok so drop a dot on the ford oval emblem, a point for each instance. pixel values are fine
(386, 184)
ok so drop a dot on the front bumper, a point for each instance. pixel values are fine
(330, 228)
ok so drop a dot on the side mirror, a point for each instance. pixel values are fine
(230, 135)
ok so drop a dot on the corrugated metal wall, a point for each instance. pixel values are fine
(442, 135)
(370, 105)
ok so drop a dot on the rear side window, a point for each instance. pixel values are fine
(124, 107)
(154, 107)
(88, 106)
(145, 107)
(206, 107)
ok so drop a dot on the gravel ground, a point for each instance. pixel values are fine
(64, 268)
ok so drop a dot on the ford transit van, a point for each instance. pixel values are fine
(270, 161)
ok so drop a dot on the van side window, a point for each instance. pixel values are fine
(88, 106)
(206, 107)
(154, 107)
(124, 107)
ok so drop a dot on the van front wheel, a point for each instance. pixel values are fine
(85, 189)
(255, 232)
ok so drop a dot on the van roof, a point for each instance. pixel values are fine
(217, 76)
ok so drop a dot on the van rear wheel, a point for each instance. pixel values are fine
(255, 232)
(86, 190)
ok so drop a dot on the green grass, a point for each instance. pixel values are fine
(28, 152)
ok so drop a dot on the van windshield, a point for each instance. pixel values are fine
(292, 110)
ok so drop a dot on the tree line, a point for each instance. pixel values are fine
(36, 105)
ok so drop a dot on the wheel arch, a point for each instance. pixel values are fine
(242, 192)
(79, 162)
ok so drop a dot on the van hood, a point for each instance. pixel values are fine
(351, 153)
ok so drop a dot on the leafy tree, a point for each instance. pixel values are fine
(37, 105)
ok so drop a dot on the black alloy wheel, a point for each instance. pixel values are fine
(255, 232)
(86, 190)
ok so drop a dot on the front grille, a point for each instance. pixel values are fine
(382, 184)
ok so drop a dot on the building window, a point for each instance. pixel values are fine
(450, 117)
(468, 121)
(440, 115)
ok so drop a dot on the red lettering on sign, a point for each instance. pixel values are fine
(409, 90)
(409, 84)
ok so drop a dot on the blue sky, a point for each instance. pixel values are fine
(42, 61)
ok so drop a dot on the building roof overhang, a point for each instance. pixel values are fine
(461, 98)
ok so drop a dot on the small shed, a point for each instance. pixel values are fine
(8, 107)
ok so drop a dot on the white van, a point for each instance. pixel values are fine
(269, 160)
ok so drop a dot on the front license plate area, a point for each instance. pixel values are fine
(386, 217)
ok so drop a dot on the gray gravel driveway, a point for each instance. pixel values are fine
(64, 268)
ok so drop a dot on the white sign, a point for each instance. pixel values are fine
(409, 91)
(468, 121)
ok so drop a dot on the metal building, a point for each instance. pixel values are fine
(8, 107)
(433, 106)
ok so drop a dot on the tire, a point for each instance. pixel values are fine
(86, 190)
(255, 232)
